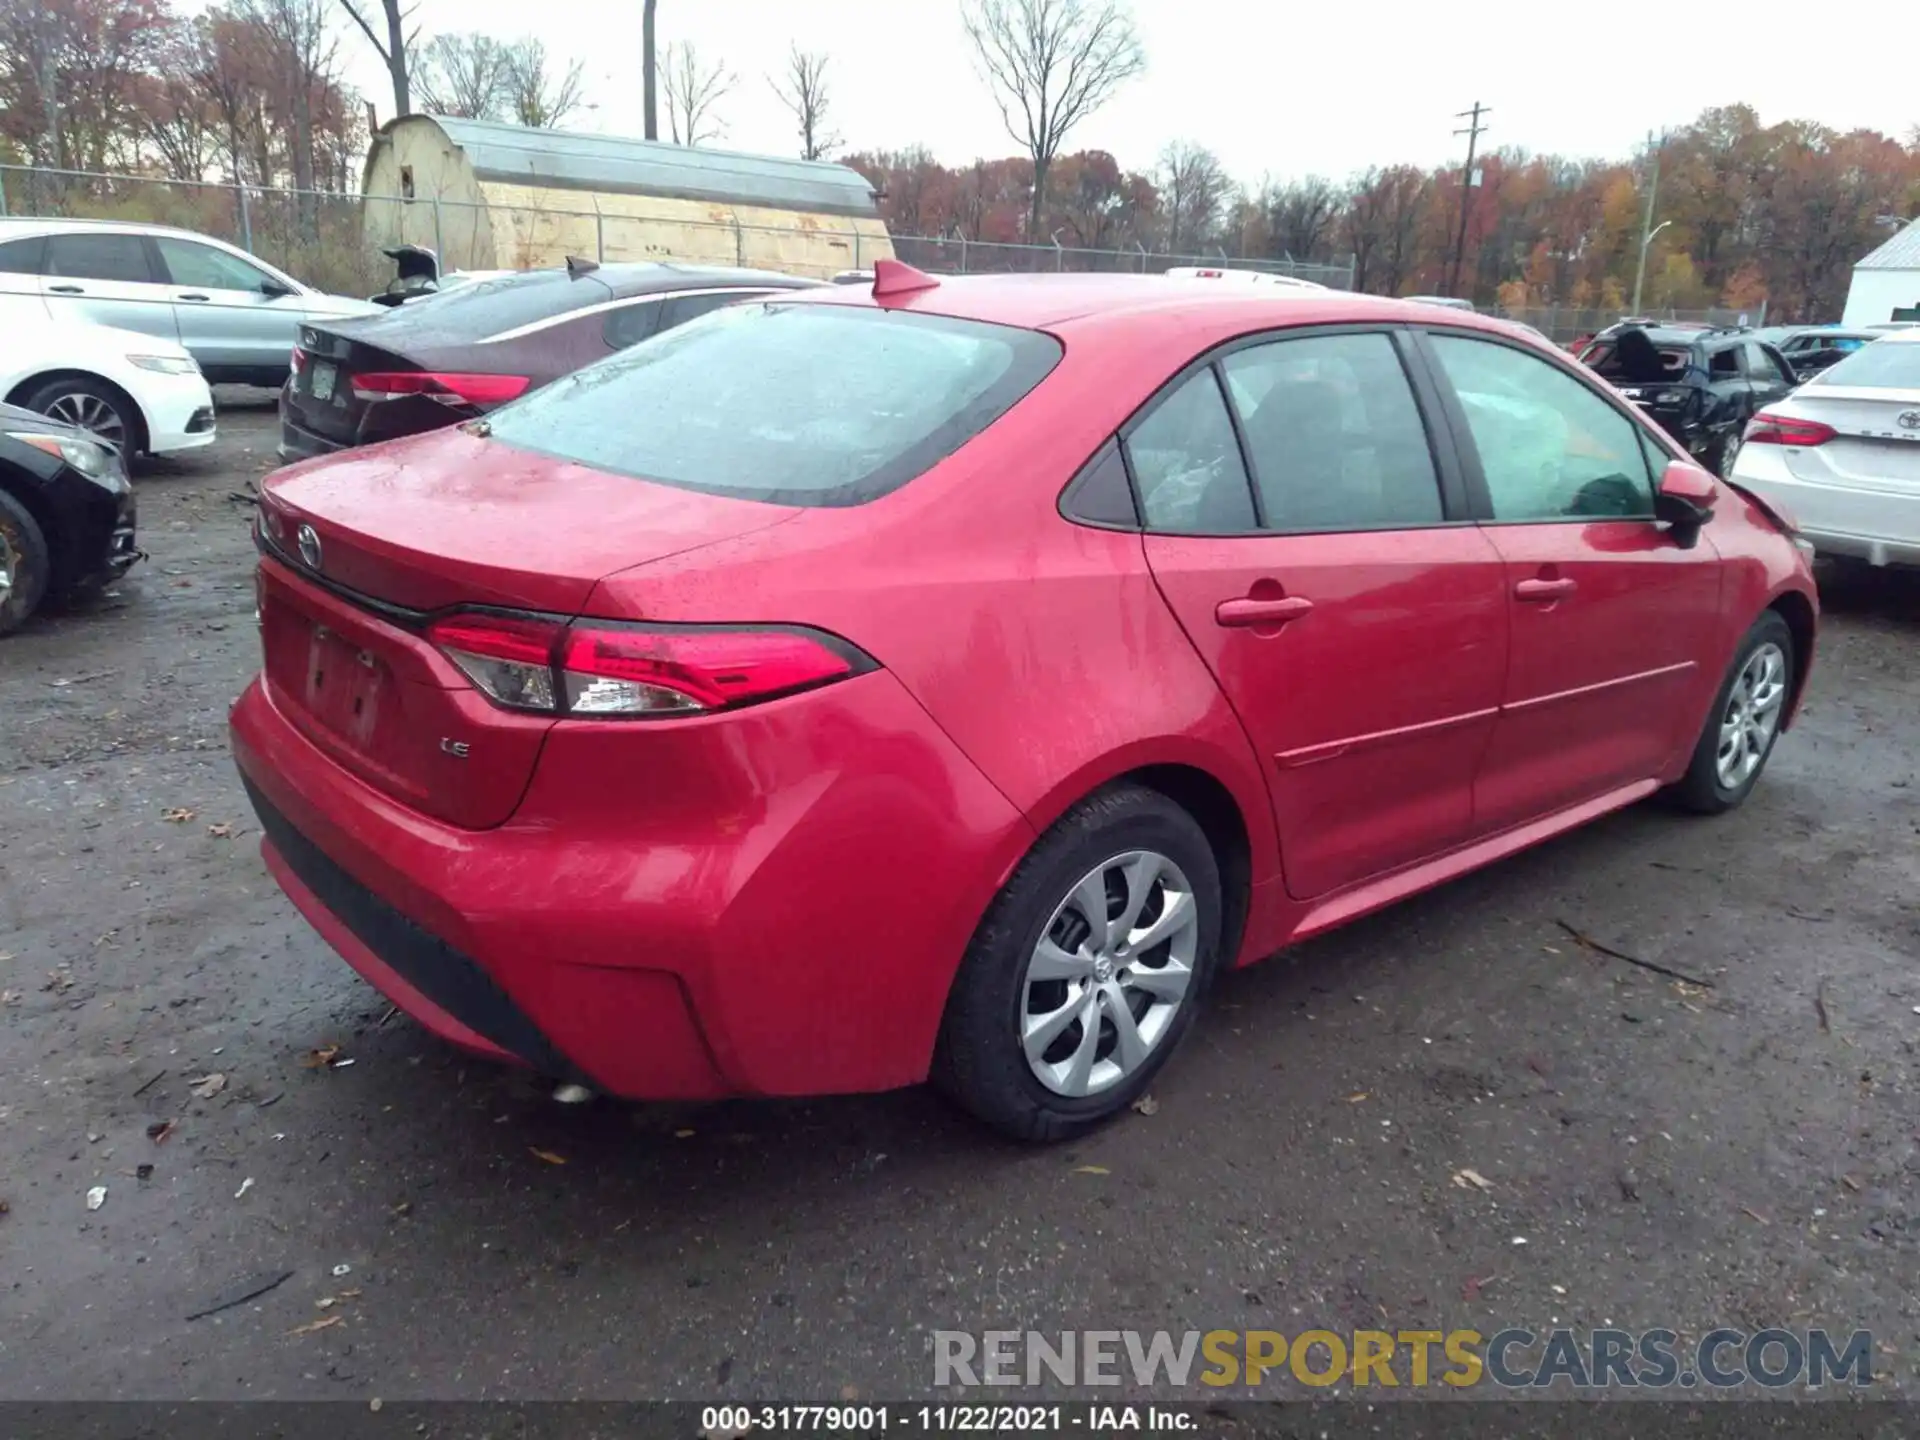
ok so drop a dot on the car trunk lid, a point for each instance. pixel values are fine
(1876, 444)
(365, 547)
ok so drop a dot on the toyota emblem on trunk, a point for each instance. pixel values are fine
(1909, 420)
(309, 547)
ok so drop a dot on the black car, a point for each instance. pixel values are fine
(1700, 386)
(66, 515)
(445, 357)
(1812, 350)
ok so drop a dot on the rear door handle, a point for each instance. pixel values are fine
(192, 297)
(1240, 613)
(1544, 589)
(65, 290)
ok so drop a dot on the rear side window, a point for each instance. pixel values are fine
(1186, 463)
(1878, 365)
(682, 308)
(1334, 435)
(1724, 364)
(98, 257)
(630, 324)
(21, 257)
(1637, 362)
(795, 404)
(1549, 448)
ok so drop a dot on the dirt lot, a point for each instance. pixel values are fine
(1744, 1154)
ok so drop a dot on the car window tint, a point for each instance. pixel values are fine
(1724, 364)
(630, 324)
(1549, 447)
(1186, 463)
(1333, 434)
(794, 404)
(205, 268)
(682, 308)
(98, 257)
(21, 257)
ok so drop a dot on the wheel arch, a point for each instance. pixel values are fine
(17, 396)
(1797, 610)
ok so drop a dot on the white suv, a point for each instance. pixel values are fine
(237, 316)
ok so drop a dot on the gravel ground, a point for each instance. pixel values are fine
(1740, 1153)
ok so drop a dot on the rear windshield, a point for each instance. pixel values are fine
(1881, 365)
(795, 404)
(474, 310)
(1667, 362)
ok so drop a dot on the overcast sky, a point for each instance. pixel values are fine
(1281, 90)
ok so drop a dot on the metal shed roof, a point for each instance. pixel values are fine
(1902, 252)
(516, 155)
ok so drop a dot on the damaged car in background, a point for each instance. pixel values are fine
(66, 515)
(1701, 386)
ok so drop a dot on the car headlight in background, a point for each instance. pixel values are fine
(94, 460)
(165, 364)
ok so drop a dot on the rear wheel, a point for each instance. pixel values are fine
(1086, 971)
(1727, 451)
(1744, 722)
(88, 405)
(24, 567)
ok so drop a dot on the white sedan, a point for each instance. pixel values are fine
(139, 393)
(1841, 454)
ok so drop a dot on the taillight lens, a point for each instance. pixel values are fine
(1770, 429)
(448, 387)
(615, 671)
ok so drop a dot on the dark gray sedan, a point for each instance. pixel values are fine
(447, 357)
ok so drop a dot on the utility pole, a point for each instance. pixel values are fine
(1646, 218)
(1472, 132)
(646, 62)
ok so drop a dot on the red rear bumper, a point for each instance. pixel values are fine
(768, 902)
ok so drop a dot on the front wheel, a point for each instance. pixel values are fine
(1087, 969)
(1744, 722)
(24, 569)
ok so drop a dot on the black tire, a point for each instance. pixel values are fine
(23, 556)
(73, 398)
(1701, 789)
(979, 1061)
(1727, 451)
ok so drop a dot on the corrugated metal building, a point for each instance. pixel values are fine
(1886, 283)
(492, 196)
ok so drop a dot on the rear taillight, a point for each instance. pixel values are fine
(1769, 429)
(609, 671)
(448, 387)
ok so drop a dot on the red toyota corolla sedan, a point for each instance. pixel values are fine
(946, 679)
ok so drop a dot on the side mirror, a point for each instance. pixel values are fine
(273, 289)
(1684, 500)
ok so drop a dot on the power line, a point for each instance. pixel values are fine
(1473, 132)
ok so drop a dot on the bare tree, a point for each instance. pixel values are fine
(1193, 188)
(693, 88)
(805, 94)
(538, 96)
(464, 76)
(304, 49)
(1302, 218)
(1051, 63)
(393, 51)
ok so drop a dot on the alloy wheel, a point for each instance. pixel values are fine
(1109, 974)
(92, 414)
(1752, 716)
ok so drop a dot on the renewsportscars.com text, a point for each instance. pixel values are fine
(1510, 1359)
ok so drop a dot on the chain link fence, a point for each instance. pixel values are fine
(333, 240)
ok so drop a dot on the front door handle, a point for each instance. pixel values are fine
(65, 290)
(1241, 613)
(1545, 590)
(193, 297)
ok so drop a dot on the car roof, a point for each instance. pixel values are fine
(1063, 303)
(20, 227)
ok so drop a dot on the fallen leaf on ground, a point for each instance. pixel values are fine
(222, 831)
(208, 1086)
(1475, 1284)
(312, 1325)
(1850, 1182)
(1356, 1097)
(548, 1156)
(159, 1131)
(179, 815)
(1147, 1105)
(322, 1057)
(1091, 1170)
(1471, 1177)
